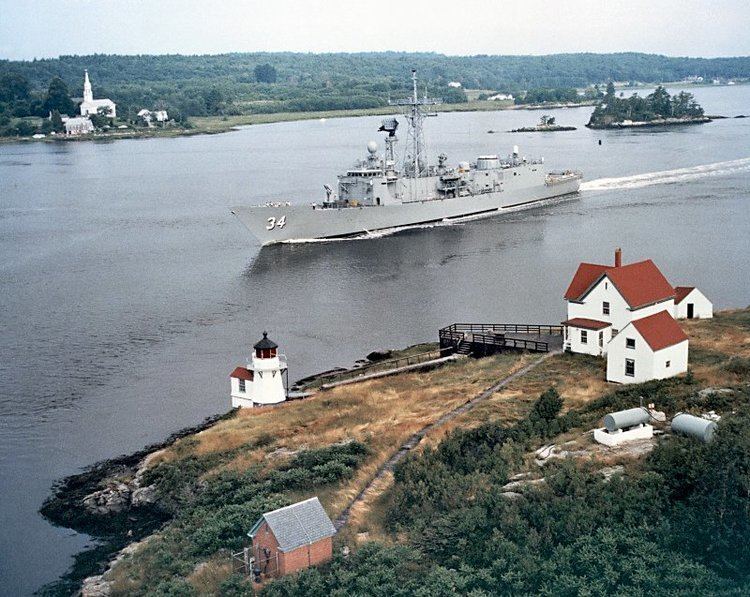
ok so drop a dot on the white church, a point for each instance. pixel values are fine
(90, 106)
(627, 313)
(264, 380)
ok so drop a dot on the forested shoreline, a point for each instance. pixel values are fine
(261, 83)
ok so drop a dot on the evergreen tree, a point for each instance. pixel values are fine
(265, 73)
(58, 98)
(57, 124)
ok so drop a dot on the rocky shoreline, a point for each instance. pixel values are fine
(110, 502)
(632, 124)
(554, 128)
(113, 503)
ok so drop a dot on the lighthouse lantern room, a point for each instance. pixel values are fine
(264, 380)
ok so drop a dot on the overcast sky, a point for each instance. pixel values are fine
(44, 28)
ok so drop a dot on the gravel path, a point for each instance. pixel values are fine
(414, 440)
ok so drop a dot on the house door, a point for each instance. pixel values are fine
(691, 310)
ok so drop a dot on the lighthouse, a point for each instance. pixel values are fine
(263, 381)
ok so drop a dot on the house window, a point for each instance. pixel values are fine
(242, 385)
(601, 339)
(614, 332)
(606, 285)
(605, 308)
(630, 367)
(668, 364)
(584, 337)
(629, 342)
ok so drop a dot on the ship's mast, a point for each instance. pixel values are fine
(415, 157)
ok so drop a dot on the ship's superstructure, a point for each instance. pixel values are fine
(378, 193)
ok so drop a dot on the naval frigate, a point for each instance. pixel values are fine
(378, 194)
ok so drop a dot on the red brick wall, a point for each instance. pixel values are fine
(264, 539)
(305, 556)
(292, 561)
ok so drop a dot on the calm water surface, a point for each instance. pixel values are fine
(129, 291)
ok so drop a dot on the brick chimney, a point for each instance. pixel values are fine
(618, 257)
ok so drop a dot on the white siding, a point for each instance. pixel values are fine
(620, 313)
(702, 307)
(239, 398)
(676, 355)
(592, 305)
(574, 343)
(648, 364)
(268, 383)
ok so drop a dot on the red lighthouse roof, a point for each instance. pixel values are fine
(242, 373)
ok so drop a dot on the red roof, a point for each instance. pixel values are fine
(660, 330)
(587, 274)
(681, 292)
(639, 283)
(242, 373)
(590, 324)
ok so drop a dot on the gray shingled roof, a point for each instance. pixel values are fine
(297, 525)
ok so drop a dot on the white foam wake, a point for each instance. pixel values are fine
(667, 176)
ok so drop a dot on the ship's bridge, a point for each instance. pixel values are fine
(364, 172)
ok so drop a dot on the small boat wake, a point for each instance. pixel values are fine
(667, 176)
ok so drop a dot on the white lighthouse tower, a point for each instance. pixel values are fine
(263, 381)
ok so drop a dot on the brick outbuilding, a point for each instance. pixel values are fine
(292, 538)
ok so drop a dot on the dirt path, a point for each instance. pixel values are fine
(414, 440)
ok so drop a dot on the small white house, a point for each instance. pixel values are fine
(264, 380)
(454, 84)
(78, 126)
(149, 116)
(691, 303)
(654, 347)
(499, 97)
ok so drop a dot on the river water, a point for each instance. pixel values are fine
(129, 292)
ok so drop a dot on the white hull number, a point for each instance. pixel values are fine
(274, 223)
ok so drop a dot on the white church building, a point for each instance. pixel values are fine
(89, 105)
(627, 313)
(264, 380)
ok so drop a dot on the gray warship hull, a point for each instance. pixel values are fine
(305, 222)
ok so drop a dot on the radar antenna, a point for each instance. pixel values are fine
(389, 125)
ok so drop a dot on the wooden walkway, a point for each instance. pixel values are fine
(483, 339)
(414, 440)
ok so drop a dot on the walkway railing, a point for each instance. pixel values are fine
(488, 338)
(389, 364)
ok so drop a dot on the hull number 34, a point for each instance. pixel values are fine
(276, 223)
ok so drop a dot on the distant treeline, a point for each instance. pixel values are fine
(281, 82)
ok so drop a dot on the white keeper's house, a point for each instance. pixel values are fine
(264, 380)
(605, 302)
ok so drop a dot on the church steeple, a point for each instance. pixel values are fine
(88, 94)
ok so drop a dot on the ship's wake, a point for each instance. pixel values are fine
(667, 176)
